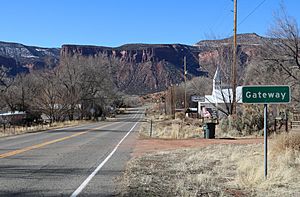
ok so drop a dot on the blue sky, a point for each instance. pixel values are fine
(51, 23)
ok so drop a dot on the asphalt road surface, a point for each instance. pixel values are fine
(84, 160)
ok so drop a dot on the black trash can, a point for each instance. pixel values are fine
(205, 128)
(209, 130)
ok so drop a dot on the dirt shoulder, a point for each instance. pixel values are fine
(186, 171)
(144, 146)
(212, 167)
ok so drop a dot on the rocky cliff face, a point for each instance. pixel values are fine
(249, 47)
(250, 39)
(147, 68)
(137, 68)
(143, 68)
(21, 58)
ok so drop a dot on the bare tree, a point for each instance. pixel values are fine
(4, 79)
(199, 86)
(16, 95)
(97, 83)
(48, 95)
(2, 76)
(282, 51)
(70, 76)
(87, 83)
(69, 91)
(221, 58)
(5, 94)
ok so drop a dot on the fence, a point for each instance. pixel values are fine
(296, 120)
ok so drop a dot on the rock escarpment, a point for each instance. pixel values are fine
(136, 68)
(19, 58)
(147, 68)
(143, 68)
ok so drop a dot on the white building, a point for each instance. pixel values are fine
(220, 95)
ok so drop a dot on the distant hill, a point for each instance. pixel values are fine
(21, 58)
(138, 68)
(242, 39)
(143, 68)
(249, 47)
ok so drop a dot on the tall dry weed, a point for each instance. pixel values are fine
(216, 170)
(285, 141)
(165, 127)
(283, 168)
(17, 130)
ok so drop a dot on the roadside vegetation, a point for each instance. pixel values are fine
(217, 170)
(227, 170)
(17, 130)
(163, 126)
(273, 64)
(284, 168)
(79, 89)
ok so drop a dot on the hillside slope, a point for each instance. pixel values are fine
(135, 68)
(19, 58)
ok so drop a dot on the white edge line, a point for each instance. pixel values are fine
(84, 184)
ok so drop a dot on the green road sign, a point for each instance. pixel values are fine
(266, 94)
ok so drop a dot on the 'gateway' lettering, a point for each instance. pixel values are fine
(264, 95)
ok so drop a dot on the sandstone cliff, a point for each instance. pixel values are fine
(144, 68)
(136, 68)
(147, 68)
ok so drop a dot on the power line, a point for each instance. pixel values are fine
(244, 19)
(252, 12)
(221, 17)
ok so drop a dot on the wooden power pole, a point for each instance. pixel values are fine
(173, 101)
(184, 69)
(234, 63)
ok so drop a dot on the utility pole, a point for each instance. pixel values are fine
(234, 66)
(172, 100)
(184, 69)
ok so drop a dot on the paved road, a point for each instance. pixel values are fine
(83, 160)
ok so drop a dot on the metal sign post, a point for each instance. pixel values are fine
(266, 139)
(264, 95)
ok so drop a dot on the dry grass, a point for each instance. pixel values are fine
(194, 172)
(283, 168)
(286, 141)
(166, 128)
(16, 130)
(217, 170)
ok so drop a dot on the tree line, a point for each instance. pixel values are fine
(80, 87)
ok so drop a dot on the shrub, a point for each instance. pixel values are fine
(252, 116)
(286, 141)
(249, 121)
(232, 126)
(224, 125)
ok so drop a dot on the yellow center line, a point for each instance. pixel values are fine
(8, 154)
(15, 152)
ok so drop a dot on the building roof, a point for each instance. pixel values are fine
(224, 96)
(11, 113)
(221, 94)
